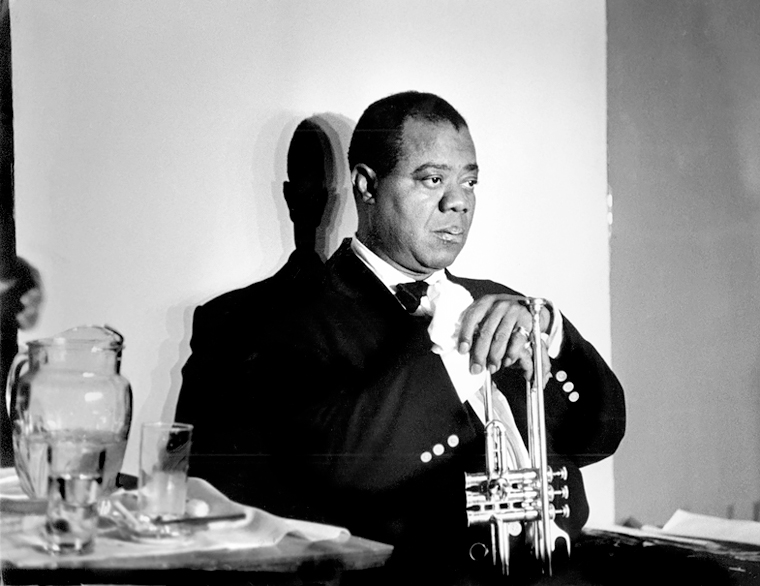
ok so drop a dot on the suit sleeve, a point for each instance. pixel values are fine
(584, 402)
(374, 421)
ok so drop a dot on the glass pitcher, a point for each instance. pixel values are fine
(68, 387)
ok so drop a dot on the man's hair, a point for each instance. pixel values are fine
(377, 138)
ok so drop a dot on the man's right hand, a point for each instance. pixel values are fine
(496, 332)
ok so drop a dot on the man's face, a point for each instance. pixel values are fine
(424, 207)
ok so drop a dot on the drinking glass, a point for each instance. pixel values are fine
(162, 484)
(76, 463)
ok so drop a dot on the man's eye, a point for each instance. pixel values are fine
(471, 183)
(433, 181)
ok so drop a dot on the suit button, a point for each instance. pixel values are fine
(573, 397)
(438, 449)
(561, 376)
(426, 457)
(568, 386)
(453, 441)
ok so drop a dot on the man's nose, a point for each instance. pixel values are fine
(456, 199)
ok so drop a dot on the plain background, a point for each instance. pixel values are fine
(151, 141)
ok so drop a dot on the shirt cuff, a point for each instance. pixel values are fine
(556, 333)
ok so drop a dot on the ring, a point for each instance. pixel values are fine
(523, 331)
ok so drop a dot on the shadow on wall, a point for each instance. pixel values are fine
(316, 192)
(338, 131)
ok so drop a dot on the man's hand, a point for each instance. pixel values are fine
(496, 332)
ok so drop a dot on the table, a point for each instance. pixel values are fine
(600, 558)
(608, 558)
(292, 561)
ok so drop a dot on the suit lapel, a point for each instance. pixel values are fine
(382, 317)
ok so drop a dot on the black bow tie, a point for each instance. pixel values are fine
(409, 294)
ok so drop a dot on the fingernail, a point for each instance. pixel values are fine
(476, 369)
(492, 368)
(464, 347)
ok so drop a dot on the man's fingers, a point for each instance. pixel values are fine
(519, 344)
(495, 331)
(470, 327)
(474, 316)
(525, 363)
(493, 336)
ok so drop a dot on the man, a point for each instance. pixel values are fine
(377, 413)
(229, 331)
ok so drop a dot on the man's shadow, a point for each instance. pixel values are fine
(229, 331)
(316, 178)
(334, 133)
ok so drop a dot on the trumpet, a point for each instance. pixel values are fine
(512, 498)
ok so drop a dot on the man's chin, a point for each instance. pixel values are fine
(439, 262)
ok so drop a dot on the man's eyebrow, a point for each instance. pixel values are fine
(443, 167)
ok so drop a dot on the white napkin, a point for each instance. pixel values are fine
(448, 301)
(20, 537)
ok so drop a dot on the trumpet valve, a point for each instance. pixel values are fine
(563, 511)
(561, 473)
(563, 492)
(498, 488)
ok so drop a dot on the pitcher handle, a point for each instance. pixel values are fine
(21, 359)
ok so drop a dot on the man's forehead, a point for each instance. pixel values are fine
(422, 137)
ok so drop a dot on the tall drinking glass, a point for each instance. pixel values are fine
(76, 465)
(164, 459)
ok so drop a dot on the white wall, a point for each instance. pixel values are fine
(151, 140)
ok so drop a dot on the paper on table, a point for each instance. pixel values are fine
(708, 527)
(21, 540)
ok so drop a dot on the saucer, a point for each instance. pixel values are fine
(215, 512)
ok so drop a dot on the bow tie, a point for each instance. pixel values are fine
(409, 294)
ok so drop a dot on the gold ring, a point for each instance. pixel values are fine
(523, 331)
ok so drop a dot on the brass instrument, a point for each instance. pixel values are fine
(516, 499)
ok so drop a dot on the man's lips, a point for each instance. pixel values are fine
(450, 233)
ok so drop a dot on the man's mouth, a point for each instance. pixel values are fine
(451, 234)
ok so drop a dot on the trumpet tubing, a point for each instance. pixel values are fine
(511, 498)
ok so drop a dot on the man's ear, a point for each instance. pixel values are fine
(364, 181)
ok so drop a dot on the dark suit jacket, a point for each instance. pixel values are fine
(228, 333)
(357, 397)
